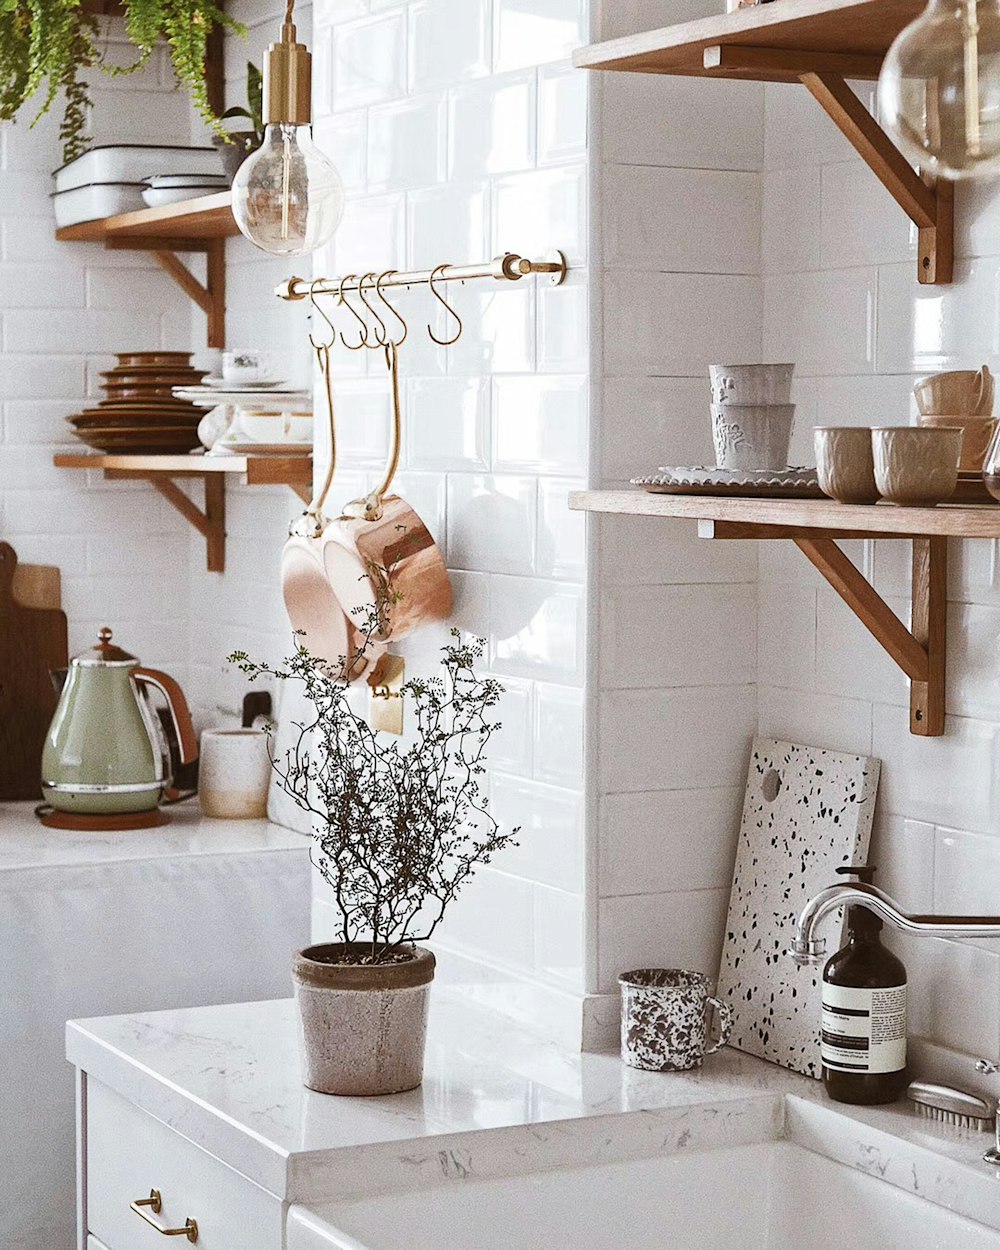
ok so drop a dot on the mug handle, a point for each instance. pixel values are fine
(983, 382)
(725, 1017)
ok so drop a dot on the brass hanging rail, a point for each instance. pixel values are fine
(510, 268)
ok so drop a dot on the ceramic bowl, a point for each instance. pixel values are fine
(271, 427)
(752, 436)
(844, 463)
(751, 384)
(916, 465)
(967, 391)
(977, 432)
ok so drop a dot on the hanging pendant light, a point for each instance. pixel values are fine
(939, 89)
(288, 198)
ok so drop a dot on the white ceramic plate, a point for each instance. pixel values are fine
(224, 448)
(262, 384)
(157, 197)
(288, 400)
(790, 483)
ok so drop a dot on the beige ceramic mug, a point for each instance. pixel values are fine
(844, 463)
(977, 436)
(234, 773)
(966, 391)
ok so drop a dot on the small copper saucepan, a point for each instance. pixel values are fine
(380, 555)
(373, 575)
(311, 602)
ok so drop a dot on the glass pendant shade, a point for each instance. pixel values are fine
(939, 89)
(288, 198)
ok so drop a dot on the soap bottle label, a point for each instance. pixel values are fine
(864, 1030)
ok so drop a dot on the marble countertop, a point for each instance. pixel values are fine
(27, 844)
(497, 1100)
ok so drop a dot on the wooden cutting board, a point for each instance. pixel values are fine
(33, 641)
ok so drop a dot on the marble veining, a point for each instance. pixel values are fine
(497, 1101)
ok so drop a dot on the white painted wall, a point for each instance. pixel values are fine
(65, 308)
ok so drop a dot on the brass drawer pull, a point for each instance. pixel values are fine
(154, 1202)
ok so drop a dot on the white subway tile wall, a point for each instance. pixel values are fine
(673, 631)
(841, 299)
(464, 134)
(63, 308)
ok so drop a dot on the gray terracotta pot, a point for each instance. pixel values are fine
(363, 1026)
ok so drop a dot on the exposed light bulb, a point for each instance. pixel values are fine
(288, 198)
(939, 89)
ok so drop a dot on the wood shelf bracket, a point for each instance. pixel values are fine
(210, 522)
(920, 650)
(210, 298)
(929, 203)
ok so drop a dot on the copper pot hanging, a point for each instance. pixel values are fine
(381, 556)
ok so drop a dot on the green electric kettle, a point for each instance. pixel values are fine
(102, 754)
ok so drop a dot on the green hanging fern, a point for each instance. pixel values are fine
(46, 45)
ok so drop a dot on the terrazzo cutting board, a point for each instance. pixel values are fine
(806, 812)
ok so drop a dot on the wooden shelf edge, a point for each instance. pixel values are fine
(805, 515)
(855, 27)
(203, 218)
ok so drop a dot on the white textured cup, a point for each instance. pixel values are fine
(751, 384)
(752, 436)
(234, 773)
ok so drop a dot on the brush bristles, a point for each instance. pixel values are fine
(952, 1117)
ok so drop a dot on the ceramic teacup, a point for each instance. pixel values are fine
(666, 1018)
(752, 436)
(246, 365)
(916, 465)
(751, 384)
(844, 463)
(968, 391)
(977, 432)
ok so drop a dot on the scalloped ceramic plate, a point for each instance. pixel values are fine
(790, 483)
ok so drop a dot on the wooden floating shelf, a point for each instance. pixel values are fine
(199, 225)
(815, 525)
(818, 43)
(160, 471)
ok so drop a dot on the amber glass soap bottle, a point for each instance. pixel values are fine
(864, 1013)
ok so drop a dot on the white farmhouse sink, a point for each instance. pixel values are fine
(769, 1196)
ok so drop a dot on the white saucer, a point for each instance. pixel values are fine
(223, 448)
(271, 384)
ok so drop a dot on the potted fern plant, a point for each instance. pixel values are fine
(400, 825)
(46, 46)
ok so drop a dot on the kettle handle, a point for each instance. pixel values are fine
(180, 714)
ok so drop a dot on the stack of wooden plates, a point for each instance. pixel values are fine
(140, 412)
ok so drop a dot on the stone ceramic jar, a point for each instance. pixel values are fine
(363, 1025)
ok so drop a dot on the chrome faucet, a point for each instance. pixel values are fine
(809, 949)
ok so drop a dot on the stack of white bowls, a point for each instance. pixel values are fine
(752, 416)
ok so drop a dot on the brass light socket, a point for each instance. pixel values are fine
(288, 81)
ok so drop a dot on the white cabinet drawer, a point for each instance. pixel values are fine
(129, 1153)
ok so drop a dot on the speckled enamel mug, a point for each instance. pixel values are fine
(666, 1017)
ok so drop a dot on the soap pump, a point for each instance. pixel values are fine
(863, 1044)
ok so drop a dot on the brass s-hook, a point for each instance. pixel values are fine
(441, 300)
(391, 307)
(383, 338)
(346, 303)
(320, 348)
